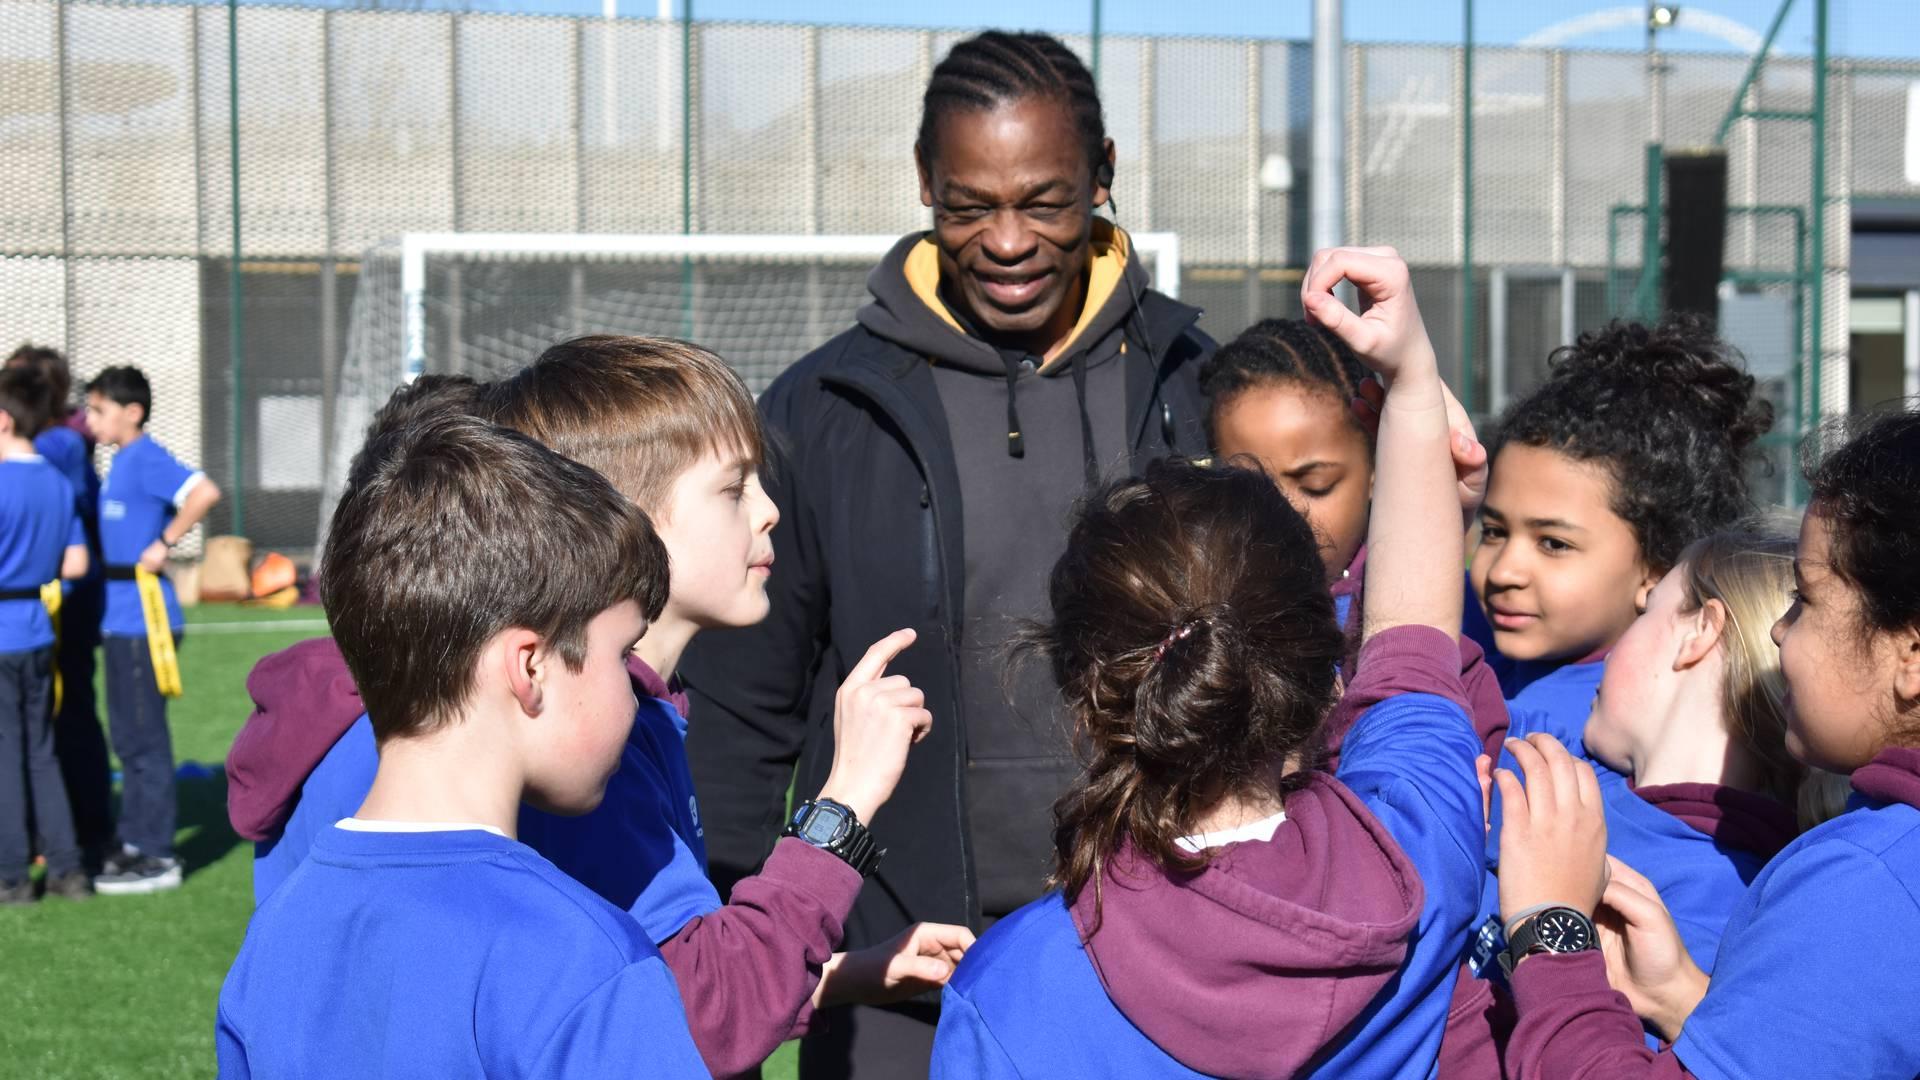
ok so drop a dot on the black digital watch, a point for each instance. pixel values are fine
(834, 827)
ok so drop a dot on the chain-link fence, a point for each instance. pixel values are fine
(358, 126)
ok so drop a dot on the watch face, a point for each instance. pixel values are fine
(823, 826)
(1564, 931)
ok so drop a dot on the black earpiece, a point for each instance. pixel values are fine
(1103, 174)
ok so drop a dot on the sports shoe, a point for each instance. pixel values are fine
(72, 885)
(130, 873)
(16, 893)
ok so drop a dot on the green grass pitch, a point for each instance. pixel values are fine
(124, 986)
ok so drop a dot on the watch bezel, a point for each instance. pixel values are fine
(811, 816)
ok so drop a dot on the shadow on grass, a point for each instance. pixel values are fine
(203, 835)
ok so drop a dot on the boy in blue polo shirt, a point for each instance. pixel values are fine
(78, 740)
(486, 594)
(40, 540)
(147, 504)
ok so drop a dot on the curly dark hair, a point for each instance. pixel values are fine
(1669, 410)
(1195, 645)
(1282, 351)
(1865, 490)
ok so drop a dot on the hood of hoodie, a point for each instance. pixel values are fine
(1192, 959)
(1731, 817)
(304, 699)
(1892, 776)
(907, 309)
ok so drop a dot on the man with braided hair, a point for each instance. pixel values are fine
(926, 462)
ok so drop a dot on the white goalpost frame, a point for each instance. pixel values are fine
(1160, 250)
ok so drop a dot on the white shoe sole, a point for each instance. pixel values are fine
(138, 886)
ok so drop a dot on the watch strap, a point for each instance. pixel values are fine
(1524, 939)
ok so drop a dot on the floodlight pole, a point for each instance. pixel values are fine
(1466, 212)
(1327, 208)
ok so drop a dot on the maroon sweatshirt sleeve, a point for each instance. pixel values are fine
(747, 971)
(1486, 703)
(1574, 1026)
(1478, 1025)
(303, 701)
(1410, 659)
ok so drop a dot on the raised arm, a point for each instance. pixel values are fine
(1414, 547)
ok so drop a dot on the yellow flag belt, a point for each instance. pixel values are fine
(153, 604)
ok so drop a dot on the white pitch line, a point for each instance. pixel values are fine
(264, 626)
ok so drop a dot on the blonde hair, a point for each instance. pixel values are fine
(638, 410)
(1749, 571)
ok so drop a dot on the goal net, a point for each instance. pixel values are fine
(487, 304)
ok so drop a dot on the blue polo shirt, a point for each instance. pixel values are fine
(143, 487)
(642, 849)
(38, 522)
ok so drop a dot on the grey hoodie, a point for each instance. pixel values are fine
(1016, 496)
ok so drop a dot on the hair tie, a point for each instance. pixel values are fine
(1179, 633)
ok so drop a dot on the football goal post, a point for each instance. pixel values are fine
(487, 304)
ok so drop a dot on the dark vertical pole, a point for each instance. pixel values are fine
(686, 164)
(1096, 43)
(235, 320)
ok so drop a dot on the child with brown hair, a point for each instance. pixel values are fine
(675, 429)
(1226, 908)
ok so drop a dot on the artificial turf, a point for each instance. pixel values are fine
(124, 986)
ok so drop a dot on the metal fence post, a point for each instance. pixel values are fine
(235, 319)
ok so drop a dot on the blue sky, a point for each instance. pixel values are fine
(1881, 28)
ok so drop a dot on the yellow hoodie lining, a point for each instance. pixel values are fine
(1104, 271)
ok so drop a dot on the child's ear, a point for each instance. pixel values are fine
(1648, 581)
(526, 661)
(1705, 630)
(1906, 673)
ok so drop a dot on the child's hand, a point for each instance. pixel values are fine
(1390, 338)
(918, 959)
(1469, 455)
(1553, 833)
(876, 717)
(1646, 960)
(154, 558)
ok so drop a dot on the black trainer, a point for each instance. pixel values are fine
(132, 873)
(16, 893)
(72, 885)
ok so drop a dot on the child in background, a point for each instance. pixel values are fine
(40, 541)
(1689, 730)
(677, 432)
(486, 593)
(147, 505)
(1281, 394)
(1636, 445)
(1225, 908)
(1814, 975)
(77, 738)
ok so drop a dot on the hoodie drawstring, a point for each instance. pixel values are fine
(1086, 422)
(1016, 442)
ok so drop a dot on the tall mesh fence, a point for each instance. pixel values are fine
(358, 126)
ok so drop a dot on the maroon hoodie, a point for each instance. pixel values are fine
(746, 971)
(1328, 904)
(1731, 817)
